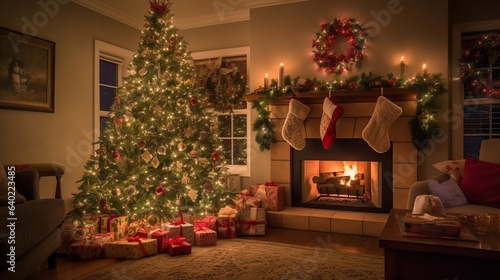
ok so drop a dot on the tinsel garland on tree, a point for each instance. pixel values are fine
(427, 86)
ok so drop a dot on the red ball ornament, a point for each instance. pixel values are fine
(193, 101)
(119, 121)
(215, 156)
(159, 190)
(116, 155)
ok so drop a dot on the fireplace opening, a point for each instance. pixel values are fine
(348, 176)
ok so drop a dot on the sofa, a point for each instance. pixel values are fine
(487, 175)
(33, 224)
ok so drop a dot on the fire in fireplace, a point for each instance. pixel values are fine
(348, 176)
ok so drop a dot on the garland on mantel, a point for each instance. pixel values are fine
(427, 86)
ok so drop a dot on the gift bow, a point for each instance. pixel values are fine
(226, 225)
(180, 241)
(200, 228)
(270, 184)
(138, 240)
(227, 211)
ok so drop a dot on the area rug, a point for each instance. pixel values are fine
(250, 259)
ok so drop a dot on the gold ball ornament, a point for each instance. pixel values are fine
(181, 147)
(152, 220)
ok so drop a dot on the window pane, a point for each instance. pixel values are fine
(240, 152)
(108, 73)
(102, 121)
(226, 143)
(240, 126)
(224, 126)
(495, 119)
(472, 145)
(107, 96)
(476, 120)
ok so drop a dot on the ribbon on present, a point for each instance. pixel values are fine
(252, 223)
(262, 194)
(108, 222)
(150, 234)
(227, 225)
(270, 184)
(179, 241)
(138, 240)
(227, 211)
(200, 228)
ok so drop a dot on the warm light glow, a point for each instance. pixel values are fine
(350, 169)
(403, 58)
(424, 66)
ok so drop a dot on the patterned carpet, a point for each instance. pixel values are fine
(249, 259)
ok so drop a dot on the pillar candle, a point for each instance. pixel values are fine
(281, 76)
(266, 81)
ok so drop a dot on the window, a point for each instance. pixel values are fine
(475, 117)
(110, 66)
(481, 114)
(233, 133)
(234, 129)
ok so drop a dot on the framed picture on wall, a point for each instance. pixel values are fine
(26, 72)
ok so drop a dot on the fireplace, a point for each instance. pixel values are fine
(349, 176)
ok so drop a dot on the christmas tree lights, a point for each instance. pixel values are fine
(160, 153)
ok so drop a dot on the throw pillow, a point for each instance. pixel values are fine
(481, 182)
(4, 192)
(449, 192)
(454, 168)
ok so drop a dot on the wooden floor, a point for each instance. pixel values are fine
(70, 269)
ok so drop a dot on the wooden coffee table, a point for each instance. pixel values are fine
(434, 258)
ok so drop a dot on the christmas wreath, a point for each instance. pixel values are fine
(324, 55)
(224, 85)
(484, 53)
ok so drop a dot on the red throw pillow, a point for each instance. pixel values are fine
(481, 182)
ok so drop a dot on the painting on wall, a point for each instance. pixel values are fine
(26, 72)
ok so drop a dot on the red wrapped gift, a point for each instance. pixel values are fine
(271, 195)
(177, 246)
(205, 237)
(160, 235)
(227, 223)
(207, 221)
(91, 248)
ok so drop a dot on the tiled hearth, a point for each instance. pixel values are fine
(358, 109)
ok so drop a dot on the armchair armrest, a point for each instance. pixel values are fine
(422, 187)
(27, 184)
(44, 170)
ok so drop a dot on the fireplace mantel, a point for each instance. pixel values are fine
(345, 96)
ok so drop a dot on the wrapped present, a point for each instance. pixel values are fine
(252, 221)
(271, 195)
(204, 236)
(227, 223)
(72, 231)
(177, 246)
(180, 229)
(244, 198)
(91, 248)
(114, 224)
(131, 248)
(160, 235)
(207, 221)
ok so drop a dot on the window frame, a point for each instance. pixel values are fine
(242, 170)
(457, 90)
(115, 54)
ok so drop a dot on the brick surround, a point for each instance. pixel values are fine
(358, 109)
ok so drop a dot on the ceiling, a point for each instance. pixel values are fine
(187, 13)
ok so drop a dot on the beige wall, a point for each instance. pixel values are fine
(416, 29)
(62, 136)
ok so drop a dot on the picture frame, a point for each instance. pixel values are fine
(27, 66)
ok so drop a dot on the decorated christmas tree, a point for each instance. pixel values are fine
(159, 154)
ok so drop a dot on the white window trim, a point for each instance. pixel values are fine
(240, 51)
(112, 53)
(457, 98)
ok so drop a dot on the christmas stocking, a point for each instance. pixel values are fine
(331, 113)
(376, 132)
(293, 129)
